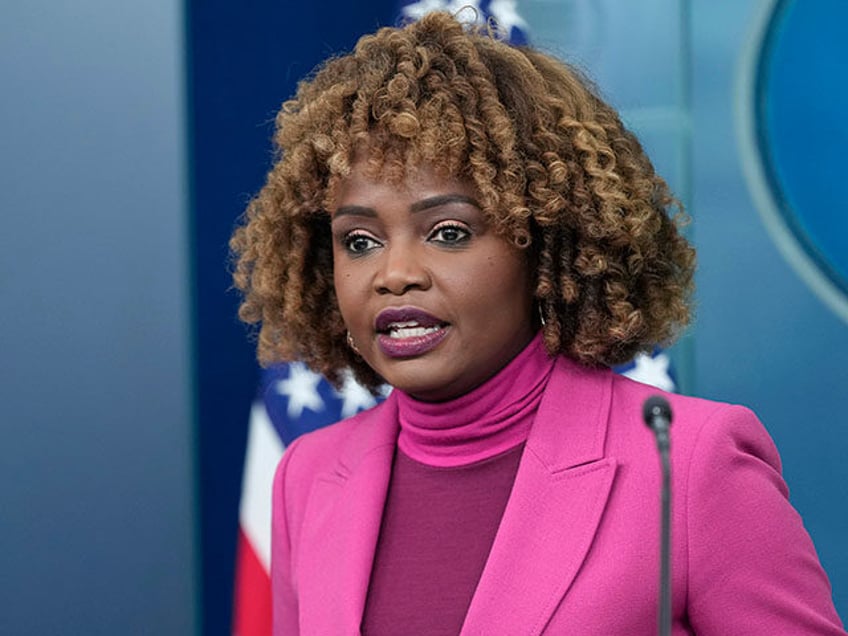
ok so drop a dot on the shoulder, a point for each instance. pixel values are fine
(630, 393)
(700, 428)
(696, 422)
(615, 401)
(326, 455)
(323, 450)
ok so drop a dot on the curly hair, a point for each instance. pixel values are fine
(557, 172)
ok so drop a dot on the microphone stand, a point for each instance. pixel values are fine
(657, 414)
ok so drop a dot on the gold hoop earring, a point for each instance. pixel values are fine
(541, 313)
(352, 344)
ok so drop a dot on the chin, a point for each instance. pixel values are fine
(421, 389)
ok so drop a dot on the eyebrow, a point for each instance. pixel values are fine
(442, 199)
(418, 206)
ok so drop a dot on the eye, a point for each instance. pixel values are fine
(450, 234)
(359, 243)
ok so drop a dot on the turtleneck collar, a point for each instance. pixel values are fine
(485, 422)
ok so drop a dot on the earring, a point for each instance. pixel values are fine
(541, 313)
(351, 343)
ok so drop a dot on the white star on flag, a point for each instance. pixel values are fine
(652, 370)
(354, 397)
(301, 388)
(419, 9)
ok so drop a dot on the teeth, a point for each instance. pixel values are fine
(402, 330)
(401, 325)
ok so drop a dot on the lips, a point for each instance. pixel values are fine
(405, 318)
(404, 332)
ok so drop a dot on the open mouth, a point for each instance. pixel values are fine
(407, 322)
(404, 332)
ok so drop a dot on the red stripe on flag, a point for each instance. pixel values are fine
(252, 608)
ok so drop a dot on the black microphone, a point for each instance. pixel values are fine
(657, 415)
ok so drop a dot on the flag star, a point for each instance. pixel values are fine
(301, 388)
(461, 8)
(506, 15)
(355, 397)
(466, 9)
(419, 9)
(652, 370)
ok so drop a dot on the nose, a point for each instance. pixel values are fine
(401, 270)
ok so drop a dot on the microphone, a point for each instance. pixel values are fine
(656, 412)
(657, 415)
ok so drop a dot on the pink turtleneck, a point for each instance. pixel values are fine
(492, 418)
(451, 479)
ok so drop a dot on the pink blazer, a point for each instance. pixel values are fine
(577, 550)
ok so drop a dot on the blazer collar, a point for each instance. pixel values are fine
(559, 495)
(343, 524)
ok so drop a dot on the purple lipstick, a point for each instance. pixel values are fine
(406, 332)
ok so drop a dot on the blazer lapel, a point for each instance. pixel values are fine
(559, 495)
(343, 526)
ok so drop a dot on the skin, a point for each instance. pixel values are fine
(426, 244)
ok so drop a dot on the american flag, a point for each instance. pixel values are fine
(292, 400)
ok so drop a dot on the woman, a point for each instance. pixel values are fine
(471, 224)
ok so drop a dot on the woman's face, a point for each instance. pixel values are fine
(435, 301)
